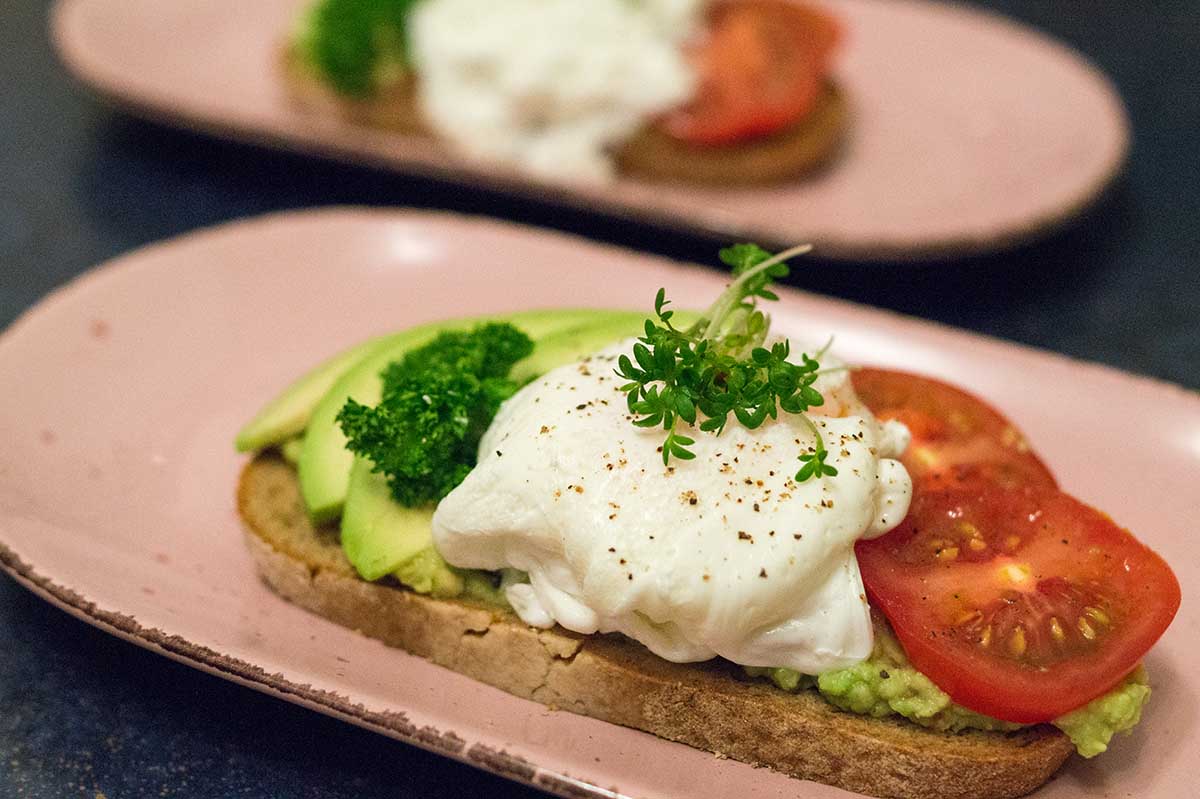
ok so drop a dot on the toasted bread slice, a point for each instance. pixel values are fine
(649, 154)
(712, 706)
(790, 153)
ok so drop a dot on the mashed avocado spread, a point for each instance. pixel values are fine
(886, 684)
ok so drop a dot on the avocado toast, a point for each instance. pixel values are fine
(712, 706)
(489, 625)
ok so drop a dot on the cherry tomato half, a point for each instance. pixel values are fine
(1020, 603)
(761, 66)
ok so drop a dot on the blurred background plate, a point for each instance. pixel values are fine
(970, 133)
(117, 480)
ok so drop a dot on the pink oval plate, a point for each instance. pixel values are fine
(124, 389)
(970, 132)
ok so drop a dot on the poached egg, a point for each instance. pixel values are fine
(550, 86)
(724, 555)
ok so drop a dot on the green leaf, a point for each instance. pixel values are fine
(793, 404)
(664, 359)
(741, 257)
(625, 368)
(811, 396)
(644, 358)
(685, 408)
(681, 453)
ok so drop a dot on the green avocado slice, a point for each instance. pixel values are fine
(378, 533)
(324, 464)
(287, 415)
(382, 537)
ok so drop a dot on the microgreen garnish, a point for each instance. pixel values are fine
(720, 365)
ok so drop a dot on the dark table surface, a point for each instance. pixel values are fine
(82, 713)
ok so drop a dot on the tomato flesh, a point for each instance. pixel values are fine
(957, 438)
(761, 66)
(1017, 600)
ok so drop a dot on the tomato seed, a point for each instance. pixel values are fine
(1056, 630)
(1016, 642)
(1086, 630)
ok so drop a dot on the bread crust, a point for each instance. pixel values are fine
(649, 154)
(711, 706)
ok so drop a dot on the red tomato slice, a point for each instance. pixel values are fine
(1020, 603)
(761, 67)
(957, 437)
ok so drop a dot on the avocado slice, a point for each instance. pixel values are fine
(324, 464)
(290, 449)
(286, 415)
(370, 514)
(381, 537)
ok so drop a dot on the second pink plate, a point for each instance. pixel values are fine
(969, 133)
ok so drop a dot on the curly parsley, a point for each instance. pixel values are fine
(353, 42)
(719, 365)
(437, 402)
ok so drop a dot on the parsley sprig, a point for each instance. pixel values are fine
(437, 402)
(354, 43)
(720, 365)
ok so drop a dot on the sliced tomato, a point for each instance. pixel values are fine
(761, 65)
(958, 438)
(1020, 603)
